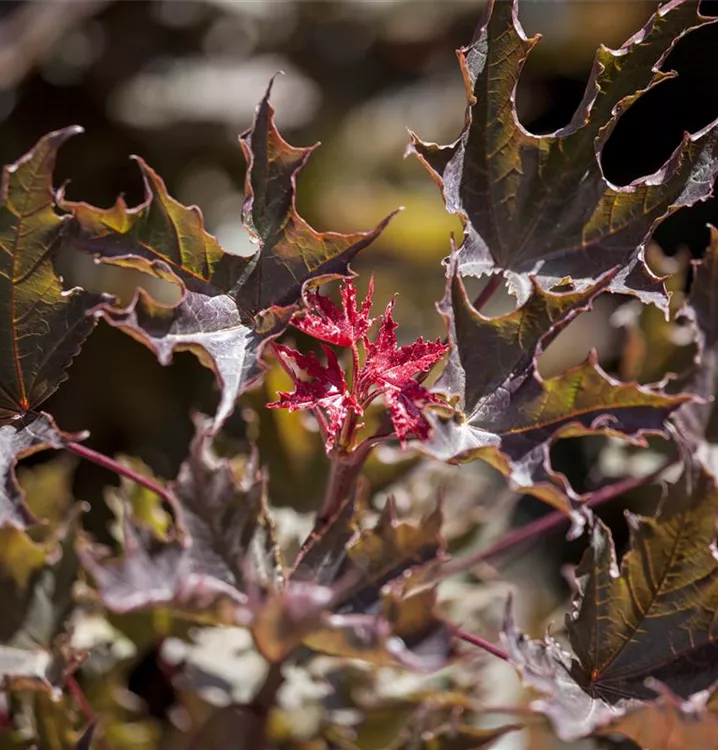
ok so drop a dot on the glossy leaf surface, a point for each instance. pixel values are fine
(41, 325)
(541, 204)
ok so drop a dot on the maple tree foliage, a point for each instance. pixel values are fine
(386, 369)
(357, 590)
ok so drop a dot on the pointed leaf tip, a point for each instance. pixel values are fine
(509, 186)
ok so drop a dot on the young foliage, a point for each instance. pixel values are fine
(220, 317)
(387, 370)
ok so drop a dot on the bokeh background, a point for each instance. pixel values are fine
(176, 81)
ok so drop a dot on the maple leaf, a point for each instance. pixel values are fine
(506, 414)
(223, 545)
(231, 305)
(376, 607)
(547, 667)
(654, 617)
(541, 204)
(652, 620)
(344, 326)
(222, 506)
(669, 722)
(696, 423)
(387, 370)
(42, 326)
(153, 574)
(31, 433)
(327, 390)
(391, 370)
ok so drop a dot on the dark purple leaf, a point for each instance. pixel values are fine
(541, 204)
(223, 316)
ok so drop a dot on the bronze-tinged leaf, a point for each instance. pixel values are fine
(290, 251)
(22, 437)
(541, 204)
(231, 305)
(223, 509)
(697, 423)
(669, 722)
(221, 550)
(664, 722)
(368, 600)
(656, 616)
(154, 574)
(41, 326)
(507, 414)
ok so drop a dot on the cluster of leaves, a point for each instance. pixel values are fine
(205, 549)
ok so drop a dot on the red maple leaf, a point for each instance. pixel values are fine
(344, 326)
(387, 370)
(327, 389)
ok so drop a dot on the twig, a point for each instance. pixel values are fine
(476, 640)
(81, 699)
(115, 466)
(547, 523)
(488, 291)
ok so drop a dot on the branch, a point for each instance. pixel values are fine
(488, 291)
(476, 640)
(115, 466)
(547, 523)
